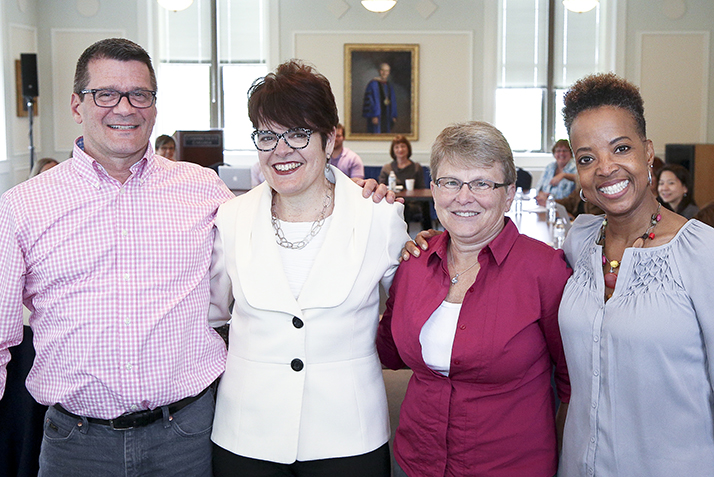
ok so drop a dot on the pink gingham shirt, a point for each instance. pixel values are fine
(117, 279)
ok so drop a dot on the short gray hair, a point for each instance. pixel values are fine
(473, 144)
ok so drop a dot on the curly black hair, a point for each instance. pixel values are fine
(605, 89)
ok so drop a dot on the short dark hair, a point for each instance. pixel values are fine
(295, 95)
(399, 139)
(119, 49)
(683, 176)
(605, 89)
(561, 143)
(162, 140)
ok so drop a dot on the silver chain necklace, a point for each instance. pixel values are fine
(314, 230)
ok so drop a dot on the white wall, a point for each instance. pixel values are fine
(457, 81)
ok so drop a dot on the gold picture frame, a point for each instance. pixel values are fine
(393, 98)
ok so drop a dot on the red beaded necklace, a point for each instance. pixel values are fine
(611, 276)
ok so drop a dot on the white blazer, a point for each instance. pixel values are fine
(303, 380)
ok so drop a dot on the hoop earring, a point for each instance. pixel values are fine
(582, 197)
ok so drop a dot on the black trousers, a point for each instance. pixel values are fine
(373, 464)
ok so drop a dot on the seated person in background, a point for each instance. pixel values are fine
(675, 189)
(165, 146)
(346, 159)
(42, 165)
(256, 175)
(404, 168)
(558, 179)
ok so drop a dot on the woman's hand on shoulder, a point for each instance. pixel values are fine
(414, 247)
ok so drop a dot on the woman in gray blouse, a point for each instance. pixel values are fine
(637, 317)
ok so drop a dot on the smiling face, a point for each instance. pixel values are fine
(292, 172)
(472, 217)
(562, 156)
(671, 189)
(612, 159)
(118, 135)
(401, 151)
(167, 150)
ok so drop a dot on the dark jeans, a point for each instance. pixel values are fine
(176, 445)
(372, 464)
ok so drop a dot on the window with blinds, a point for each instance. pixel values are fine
(525, 83)
(186, 47)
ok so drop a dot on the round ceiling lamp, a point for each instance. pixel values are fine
(175, 5)
(580, 6)
(379, 6)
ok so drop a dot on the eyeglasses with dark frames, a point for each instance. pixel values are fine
(267, 140)
(477, 186)
(109, 98)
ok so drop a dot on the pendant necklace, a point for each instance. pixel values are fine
(611, 276)
(455, 278)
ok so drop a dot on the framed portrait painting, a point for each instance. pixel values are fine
(381, 91)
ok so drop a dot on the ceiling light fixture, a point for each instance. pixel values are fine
(379, 6)
(580, 6)
(175, 5)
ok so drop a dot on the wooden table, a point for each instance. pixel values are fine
(416, 195)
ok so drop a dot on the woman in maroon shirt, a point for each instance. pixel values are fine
(476, 319)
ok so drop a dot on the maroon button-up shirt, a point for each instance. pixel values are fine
(494, 414)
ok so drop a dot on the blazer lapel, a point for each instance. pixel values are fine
(339, 261)
(260, 267)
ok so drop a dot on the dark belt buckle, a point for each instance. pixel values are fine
(121, 423)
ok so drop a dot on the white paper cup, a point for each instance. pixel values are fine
(409, 183)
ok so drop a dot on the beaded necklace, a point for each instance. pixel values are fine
(611, 276)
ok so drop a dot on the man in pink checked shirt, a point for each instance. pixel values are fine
(111, 254)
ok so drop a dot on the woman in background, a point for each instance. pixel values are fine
(404, 168)
(165, 146)
(636, 317)
(476, 319)
(558, 179)
(675, 190)
(301, 258)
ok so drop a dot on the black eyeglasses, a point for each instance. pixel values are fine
(453, 185)
(296, 138)
(109, 98)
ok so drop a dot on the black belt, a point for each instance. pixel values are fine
(136, 419)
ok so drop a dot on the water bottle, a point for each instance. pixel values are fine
(519, 201)
(551, 212)
(559, 233)
(392, 181)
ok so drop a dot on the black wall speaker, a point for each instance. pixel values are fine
(28, 67)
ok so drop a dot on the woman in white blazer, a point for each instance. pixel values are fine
(301, 258)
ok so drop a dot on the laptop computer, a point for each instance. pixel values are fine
(236, 178)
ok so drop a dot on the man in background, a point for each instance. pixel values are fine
(379, 105)
(344, 158)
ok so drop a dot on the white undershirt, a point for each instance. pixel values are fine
(297, 263)
(437, 337)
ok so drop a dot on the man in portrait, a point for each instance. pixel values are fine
(379, 106)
